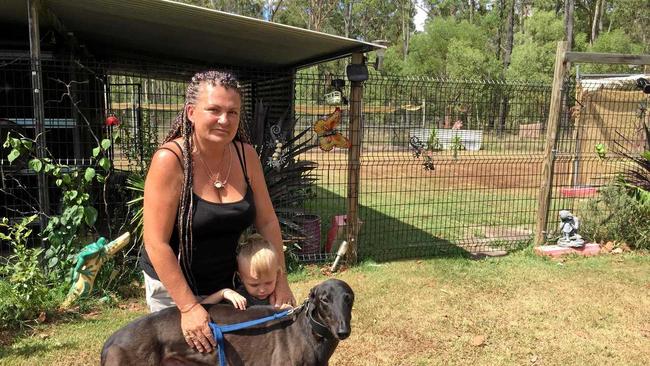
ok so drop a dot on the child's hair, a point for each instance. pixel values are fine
(260, 255)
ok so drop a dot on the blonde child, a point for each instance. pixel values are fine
(258, 269)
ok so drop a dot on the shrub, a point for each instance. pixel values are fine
(616, 216)
(24, 291)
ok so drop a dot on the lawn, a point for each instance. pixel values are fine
(469, 204)
(519, 309)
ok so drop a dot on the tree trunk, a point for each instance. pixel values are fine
(568, 23)
(274, 10)
(499, 29)
(472, 6)
(507, 52)
(406, 29)
(347, 19)
(596, 21)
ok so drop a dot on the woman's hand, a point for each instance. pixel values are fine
(282, 294)
(238, 301)
(197, 333)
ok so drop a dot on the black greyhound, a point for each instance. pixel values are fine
(307, 337)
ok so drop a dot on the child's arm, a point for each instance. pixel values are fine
(238, 301)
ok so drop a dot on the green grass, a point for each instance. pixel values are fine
(412, 223)
(515, 310)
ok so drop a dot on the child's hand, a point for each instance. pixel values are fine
(236, 299)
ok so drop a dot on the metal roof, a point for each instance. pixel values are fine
(176, 31)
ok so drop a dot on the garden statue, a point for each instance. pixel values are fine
(89, 261)
(569, 228)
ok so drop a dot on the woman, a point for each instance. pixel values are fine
(204, 187)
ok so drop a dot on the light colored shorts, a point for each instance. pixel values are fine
(157, 296)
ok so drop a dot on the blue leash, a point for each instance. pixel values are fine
(219, 330)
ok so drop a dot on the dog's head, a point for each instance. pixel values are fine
(332, 301)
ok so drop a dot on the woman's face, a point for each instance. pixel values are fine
(215, 115)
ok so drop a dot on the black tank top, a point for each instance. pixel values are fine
(216, 228)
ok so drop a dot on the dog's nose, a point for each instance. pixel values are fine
(343, 334)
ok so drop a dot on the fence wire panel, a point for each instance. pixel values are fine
(449, 166)
(70, 102)
(603, 118)
(446, 166)
(315, 98)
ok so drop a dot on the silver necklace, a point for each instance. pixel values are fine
(218, 184)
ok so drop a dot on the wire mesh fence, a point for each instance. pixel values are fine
(605, 117)
(446, 166)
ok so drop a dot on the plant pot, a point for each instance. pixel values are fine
(311, 230)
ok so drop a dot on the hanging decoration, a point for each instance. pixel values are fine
(112, 120)
(420, 150)
(278, 158)
(328, 136)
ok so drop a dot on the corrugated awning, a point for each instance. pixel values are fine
(181, 32)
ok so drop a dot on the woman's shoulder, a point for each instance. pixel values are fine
(249, 150)
(169, 154)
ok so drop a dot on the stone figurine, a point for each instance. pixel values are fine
(569, 225)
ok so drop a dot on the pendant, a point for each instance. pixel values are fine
(218, 184)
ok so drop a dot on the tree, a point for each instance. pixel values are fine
(251, 8)
(430, 51)
(309, 14)
(633, 18)
(534, 52)
(615, 41)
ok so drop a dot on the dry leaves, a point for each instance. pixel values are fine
(534, 358)
(615, 247)
(41, 318)
(478, 341)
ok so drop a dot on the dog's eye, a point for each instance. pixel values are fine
(324, 299)
(347, 299)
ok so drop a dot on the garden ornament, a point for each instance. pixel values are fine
(112, 120)
(421, 150)
(643, 84)
(328, 136)
(569, 228)
(343, 249)
(89, 261)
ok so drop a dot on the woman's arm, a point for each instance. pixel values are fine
(162, 191)
(267, 224)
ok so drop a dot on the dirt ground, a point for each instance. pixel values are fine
(468, 170)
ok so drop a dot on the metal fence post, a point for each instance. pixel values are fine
(354, 166)
(552, 126)
(38, 104)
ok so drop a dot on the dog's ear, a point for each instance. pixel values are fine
(312, 294)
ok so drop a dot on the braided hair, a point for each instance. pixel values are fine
(182, 127)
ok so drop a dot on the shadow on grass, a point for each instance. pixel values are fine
(33, 349)
(382, 237)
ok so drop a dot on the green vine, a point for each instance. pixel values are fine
(78, 214)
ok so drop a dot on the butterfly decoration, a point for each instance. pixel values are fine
(328, 136)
